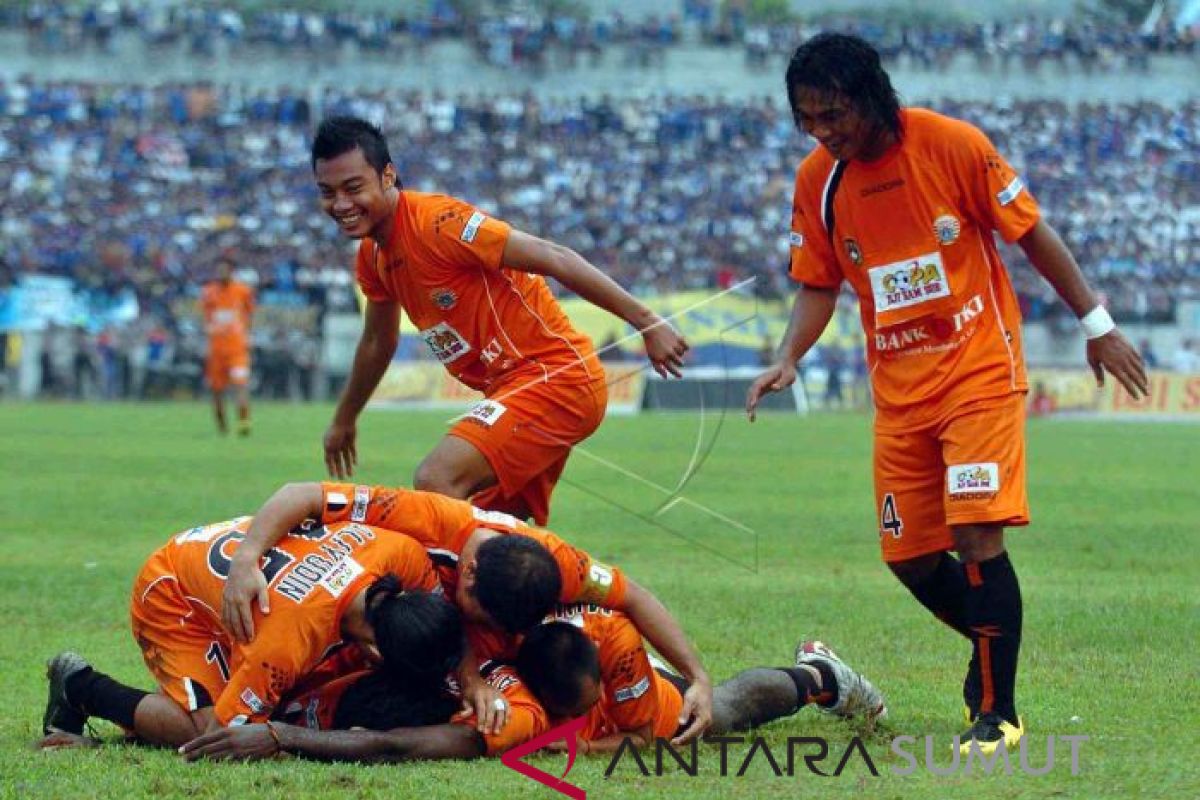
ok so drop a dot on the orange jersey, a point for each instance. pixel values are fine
(632, 693)
(312, 575)
(486, 324)
(443, 524)
(227, 311)
(913, 234)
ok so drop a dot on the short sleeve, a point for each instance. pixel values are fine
(812, 262)
(367, 274)
(998, 196)
(460, 235)
(431, 519)
(409, 562)
(268, 667)
(584, 579)
(628, 677)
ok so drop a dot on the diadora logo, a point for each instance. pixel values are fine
(566, 732)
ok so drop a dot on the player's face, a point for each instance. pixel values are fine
(468, 604)
(834, 121)
(353, 193)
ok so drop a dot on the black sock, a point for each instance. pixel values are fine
(820, 688)
(98, 695)
(994, 619)
(944, 592)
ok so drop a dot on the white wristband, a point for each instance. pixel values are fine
(1097, 323)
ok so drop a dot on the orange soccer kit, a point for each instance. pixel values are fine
(912, 232)
(227, 309)
(499, 331)
(312, 576)
(443, 524)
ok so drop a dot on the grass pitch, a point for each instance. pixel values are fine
(775, 537)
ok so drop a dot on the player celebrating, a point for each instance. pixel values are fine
(473, 287)
(342, 582)
(502, 574)
(228, 306)
(591, 661)
(903, 204)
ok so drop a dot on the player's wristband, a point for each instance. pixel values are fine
(275, 735)
(1097, 322)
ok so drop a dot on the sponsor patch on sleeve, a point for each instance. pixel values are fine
(796, 240)
(1010, 192)
(362, 498)
(633, 692)
(336, 501)
(972, 481)
(341, 576)
(472, 227)
(252, 701)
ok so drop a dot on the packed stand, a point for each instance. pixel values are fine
(129, 188)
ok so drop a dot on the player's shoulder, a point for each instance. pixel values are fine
(928, 130)
(815, 168)
(427, 207)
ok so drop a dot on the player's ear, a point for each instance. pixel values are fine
(389, 176)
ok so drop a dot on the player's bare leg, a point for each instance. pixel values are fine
(219, 411)
(160, 721)
(993, 615)
(455, 468)
(242, 392)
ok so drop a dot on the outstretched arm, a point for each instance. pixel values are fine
(250, 742)
(811, 312)
(662, 631)
(287, 508)
(1107, 347)
(664, 346)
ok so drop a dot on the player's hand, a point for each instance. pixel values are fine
(1114, 353)
(665, 348)
(242, 742)
(488, 704)
(777, 378)
(245, 585)
(697, 707)
(341, 455)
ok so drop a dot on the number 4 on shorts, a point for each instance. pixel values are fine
(889, 519)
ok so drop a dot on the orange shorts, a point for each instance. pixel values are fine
(225, 367)
(968, 469)
(184, 649)
(526, 432)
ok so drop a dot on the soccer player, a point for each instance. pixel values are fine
(228, 308)
(903, 204)
(473, 286)
(586, 660)
(331, 583)
(362, 717)
(502, 574)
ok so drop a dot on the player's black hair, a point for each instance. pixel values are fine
(419, 634)
(850, 66)
(380, 702)
(553, 661)
(339, 135)
(517, 581)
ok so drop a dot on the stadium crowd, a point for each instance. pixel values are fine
(523, 36)
(139, 188)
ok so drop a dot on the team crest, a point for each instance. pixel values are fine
(444, 298)
(947, 228)
(853, 251)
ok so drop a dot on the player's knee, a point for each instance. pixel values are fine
(913, 571)
(435, 477)
(975, 543)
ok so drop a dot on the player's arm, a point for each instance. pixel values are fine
(661, 630)
(664, 346)
(381, 334)
(1109, 350)
(431, 742)
(288, 507)
(811, 312)
(642, 737)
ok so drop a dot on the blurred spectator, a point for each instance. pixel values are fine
(1186, 359)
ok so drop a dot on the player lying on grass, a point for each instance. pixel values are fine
(333, 583)
(589, 661)
(498, 579)
(364, 717)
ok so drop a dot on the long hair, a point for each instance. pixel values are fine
(419, 634)
(850, 66)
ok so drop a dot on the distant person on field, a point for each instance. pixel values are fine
(904, 204)
(228, 308)
(474, 288)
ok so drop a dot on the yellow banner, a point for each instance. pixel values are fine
(1171, 394)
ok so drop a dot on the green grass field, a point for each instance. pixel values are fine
(788, 546)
